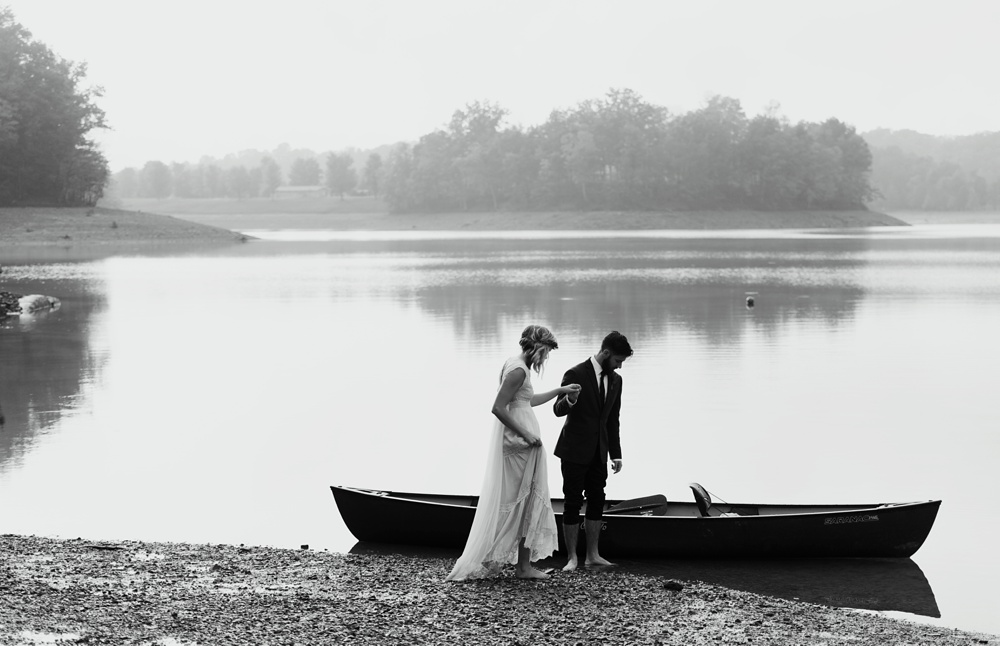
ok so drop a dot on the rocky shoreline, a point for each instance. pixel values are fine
(78, 591)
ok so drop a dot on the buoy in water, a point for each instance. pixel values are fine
(749, 302)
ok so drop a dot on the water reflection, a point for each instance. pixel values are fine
(583, 284)
(46, 359)
(867, 584)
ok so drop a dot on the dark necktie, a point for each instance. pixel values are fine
(601, 388)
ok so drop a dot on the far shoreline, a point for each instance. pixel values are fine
(164, 224)
(372, 214)
(546, 221)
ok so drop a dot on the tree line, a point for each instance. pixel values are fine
(236, 180)
(621, 152)
(616, 152)
(46, 115)
(915, 171)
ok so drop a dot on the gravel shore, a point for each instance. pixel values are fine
(82, 592)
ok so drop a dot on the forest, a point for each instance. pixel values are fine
(614, 152)
(715, 158)
(46, 116)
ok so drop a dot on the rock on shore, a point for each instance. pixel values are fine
(12, 304)
(155, 593)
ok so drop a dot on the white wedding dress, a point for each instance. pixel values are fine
(514, 502)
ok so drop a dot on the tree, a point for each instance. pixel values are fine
(45, 117)
(702, 147)
(183, 180)
(270, 176)
(474, 136)
(256, 181)
(520, 166)
(305, 172)
(85, 176)
(126, 182)
(399, 179)
(435, 183)
(768, 164)
(155, 180)
(214, 181)
(238, 184)
(340, 174)
(373, 169)
(854, 162)
(583, 159)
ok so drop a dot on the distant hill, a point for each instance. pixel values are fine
(978, 153)
(912, 170)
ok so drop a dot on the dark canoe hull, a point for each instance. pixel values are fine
(779, 531)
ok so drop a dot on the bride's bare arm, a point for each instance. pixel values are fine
(510, 384)
(541, 398)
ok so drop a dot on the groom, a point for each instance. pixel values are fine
(588, 436)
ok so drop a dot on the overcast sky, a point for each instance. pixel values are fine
(186, 78)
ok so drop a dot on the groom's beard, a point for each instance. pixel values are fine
(606, 367)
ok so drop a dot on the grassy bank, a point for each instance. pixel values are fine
(89, 226)
(356, 214)
(947, 217)
(179, 221)
(145, 593)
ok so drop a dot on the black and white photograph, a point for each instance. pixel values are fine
(470, 322)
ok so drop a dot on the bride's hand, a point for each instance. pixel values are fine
(533, 440)
(570, 389)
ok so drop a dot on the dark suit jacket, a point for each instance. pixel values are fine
(589, 428)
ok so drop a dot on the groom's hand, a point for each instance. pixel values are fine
(616, 465)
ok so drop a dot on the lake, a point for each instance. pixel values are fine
(212, 396)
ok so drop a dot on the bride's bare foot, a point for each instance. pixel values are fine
(598, 561)
(570, 565)
(530, 573)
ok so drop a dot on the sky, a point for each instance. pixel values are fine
(189, 78)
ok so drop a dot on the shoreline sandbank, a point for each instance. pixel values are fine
(141, 592)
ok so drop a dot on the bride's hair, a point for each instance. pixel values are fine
(537, 341)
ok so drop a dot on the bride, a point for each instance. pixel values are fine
(514, 522)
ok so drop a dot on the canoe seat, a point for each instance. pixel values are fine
(701, 498)
(655, 505)
(704, 502)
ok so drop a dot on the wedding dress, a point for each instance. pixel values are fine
(514, 502)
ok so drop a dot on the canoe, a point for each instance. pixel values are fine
(655, 527)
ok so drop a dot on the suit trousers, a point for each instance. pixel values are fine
(584, 479)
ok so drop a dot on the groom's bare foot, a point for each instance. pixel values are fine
(570, 565)
(598, 561)
(530, 573)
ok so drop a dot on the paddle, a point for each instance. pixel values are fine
(636, 505)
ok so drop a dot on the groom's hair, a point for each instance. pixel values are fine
(617, 344)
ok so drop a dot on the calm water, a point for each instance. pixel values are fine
(213, 396)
